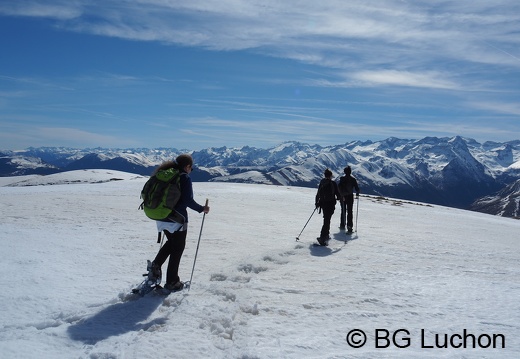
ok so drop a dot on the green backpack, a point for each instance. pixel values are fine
(161, 193)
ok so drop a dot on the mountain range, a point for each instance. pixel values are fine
(457, 172)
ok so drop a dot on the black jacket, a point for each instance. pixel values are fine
(347, 185)
(327, 193)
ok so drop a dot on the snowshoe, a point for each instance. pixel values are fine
(171, 287)
(174, 287)
(153, 279)
(323, 241)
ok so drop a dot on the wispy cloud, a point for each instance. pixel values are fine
(405, 78)
(47, 136)
(313, 31)
(507, 108)
(73, 135)
(54, 9)
(395, 59)
(376, 78)
(271, 131)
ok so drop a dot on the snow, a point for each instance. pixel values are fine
(6, 181)
(515, 165)
(256, 176)
(70, 177)
(72, 252)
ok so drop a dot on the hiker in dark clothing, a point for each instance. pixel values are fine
(175, 227)
(347, 186)
(326, 199)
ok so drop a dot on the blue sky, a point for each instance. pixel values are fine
(197, 74)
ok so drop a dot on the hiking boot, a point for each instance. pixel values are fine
(174, 286)
(322, 241)
(349, 229)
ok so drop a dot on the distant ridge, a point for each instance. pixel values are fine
(452, 171)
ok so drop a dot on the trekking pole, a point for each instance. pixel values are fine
(357, 211)
(198, 243)
(298, 238)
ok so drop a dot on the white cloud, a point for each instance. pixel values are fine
(54, 9)
(25, 130)
(393, 45)
(405, 78)
(73, 137)
(404, 31)
(508, 108)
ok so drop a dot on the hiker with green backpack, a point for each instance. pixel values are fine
(175, 225)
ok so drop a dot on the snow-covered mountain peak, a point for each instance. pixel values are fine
(451, 171)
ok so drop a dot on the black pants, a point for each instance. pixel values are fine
(173, 248)
(328, 211)
(346, 211)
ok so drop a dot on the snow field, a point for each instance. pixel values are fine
(78, 249)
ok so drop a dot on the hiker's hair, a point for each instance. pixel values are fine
(180, 162)
(184, 160)
(327, 173)
(164, 166)
(347, 170)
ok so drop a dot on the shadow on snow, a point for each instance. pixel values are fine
(117, 319)
(323, 251)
